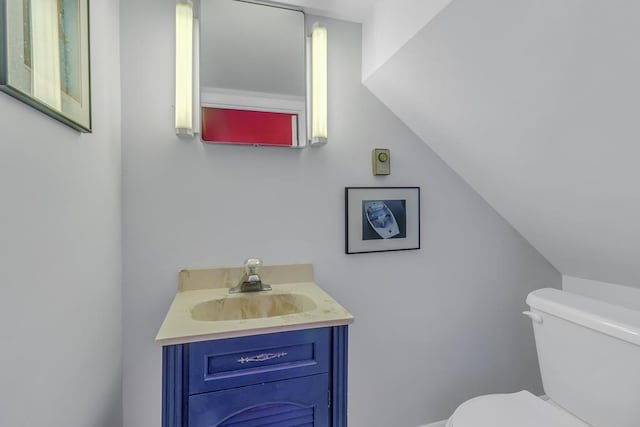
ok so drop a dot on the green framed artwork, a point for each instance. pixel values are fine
(44, 57)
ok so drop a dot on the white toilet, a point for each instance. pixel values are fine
(589, 353)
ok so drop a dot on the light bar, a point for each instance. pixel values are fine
(184, 68)
(318, 85)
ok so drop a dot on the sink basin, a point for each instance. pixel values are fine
(251, 306)
(203, 309)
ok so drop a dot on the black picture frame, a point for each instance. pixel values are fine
(381, 219)
(72, 95)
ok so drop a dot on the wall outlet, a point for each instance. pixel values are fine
(381, 161)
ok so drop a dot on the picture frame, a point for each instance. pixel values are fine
(381, 219)
(44, 58)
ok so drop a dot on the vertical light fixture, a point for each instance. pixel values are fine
(184, 68)
(318, 85)
(45, 53)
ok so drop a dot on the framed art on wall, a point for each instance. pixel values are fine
(380, 219)
(44, 57)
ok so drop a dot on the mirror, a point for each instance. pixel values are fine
(252, 74)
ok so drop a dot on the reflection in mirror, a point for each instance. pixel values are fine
(252, 74)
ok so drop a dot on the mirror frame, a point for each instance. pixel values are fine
(245, 100)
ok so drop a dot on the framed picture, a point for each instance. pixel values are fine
(379, 219)
(44, 57)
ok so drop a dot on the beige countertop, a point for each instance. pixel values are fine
(201, 286)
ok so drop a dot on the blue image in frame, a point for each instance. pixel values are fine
(69, 30)
(384, 219)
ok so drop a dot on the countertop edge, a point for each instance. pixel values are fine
(253, 331)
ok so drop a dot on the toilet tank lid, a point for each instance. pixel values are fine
(617, 321)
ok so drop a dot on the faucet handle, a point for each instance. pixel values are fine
(251, 265)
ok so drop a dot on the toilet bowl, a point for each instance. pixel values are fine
(588, 352)
(521, 409)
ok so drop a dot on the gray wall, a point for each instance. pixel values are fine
(60, 254)
(612, 293)
(433, 327)
(534, 104)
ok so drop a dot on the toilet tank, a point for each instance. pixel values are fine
(589, 354)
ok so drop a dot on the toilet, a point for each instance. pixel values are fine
(589, 354)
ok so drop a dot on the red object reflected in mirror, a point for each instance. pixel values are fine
(222, 125)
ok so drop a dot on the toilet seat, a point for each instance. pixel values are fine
(521, 409)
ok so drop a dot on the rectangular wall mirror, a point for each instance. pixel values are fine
(252, 74)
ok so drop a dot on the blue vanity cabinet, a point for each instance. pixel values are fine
(296, 402)
(295, 378)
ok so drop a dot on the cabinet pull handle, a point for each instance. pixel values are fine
(262, 357)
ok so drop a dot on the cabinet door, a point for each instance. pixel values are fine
(299, 402)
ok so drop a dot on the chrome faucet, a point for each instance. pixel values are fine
(250, 281)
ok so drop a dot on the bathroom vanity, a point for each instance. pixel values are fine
(262, 358)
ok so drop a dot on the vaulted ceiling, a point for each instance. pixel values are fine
(536, 104)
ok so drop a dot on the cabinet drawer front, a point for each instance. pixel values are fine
(298, 402)
(237, 362)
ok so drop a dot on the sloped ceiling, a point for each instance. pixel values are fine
(537, 105)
